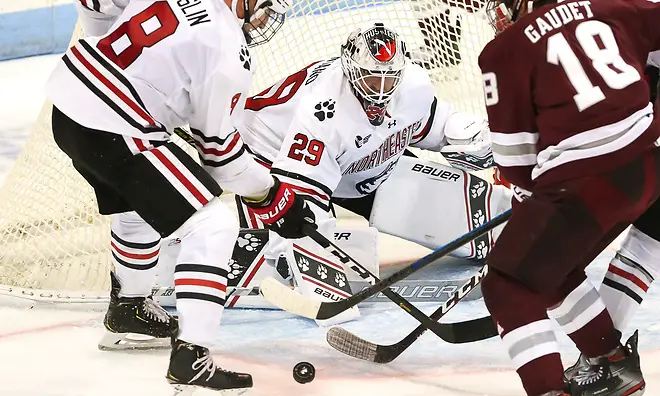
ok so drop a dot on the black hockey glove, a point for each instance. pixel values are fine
(282, 211)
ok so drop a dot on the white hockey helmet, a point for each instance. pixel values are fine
(373, 60)
(261, 22)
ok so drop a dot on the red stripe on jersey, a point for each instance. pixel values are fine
(140, 144)
(319, 258)
(200, 282)
(629, 276)
(262, 163)
(177, 173)
(134, 106)
(136, 256)
(423, 132)
(310, 192)
(217, 152)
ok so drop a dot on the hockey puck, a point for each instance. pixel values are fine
(303, 372)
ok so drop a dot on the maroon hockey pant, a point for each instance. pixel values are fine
(539, 259)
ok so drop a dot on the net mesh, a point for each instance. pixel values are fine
(51, 235)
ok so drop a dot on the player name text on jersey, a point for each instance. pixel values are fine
(557, 17)
(194, 14)
(393, 145)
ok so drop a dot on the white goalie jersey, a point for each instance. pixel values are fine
(314, 134)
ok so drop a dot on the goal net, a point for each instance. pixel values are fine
(54, 246)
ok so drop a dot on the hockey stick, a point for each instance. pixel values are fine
(167, 291)
(293, 302)
(445, 331)
(474, 330)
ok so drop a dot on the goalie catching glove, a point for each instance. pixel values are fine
(282, 211)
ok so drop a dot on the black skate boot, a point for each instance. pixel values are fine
(581, 364)
(611, 376)
(135, 322)
(193, 366)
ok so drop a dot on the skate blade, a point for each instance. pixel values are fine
(638, 390)
(131, 341)
(188, 390)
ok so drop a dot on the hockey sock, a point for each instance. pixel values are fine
(629, 276)
(583, 317)
(526, 331)
(200, 275)
(134, 246)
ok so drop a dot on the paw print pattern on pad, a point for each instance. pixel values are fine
(249, 242)
(235, 270)
(303, 264)
(340, 279)
(478, 218)
(322, 271)
(482, 250)
(478, 189)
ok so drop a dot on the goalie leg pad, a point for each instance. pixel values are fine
(321, 276)
(432, 204)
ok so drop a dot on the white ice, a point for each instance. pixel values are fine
(52, 352)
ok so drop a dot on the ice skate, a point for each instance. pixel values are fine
(192, 366)
(135, 323)
(581, 364)
(611, 376)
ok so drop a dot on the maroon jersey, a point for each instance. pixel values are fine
(565, 91)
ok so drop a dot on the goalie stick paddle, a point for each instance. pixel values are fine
(473, 330)
(445, 331)
(291, 301)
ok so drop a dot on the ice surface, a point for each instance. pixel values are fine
(52, 352)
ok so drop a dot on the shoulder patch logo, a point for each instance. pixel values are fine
(244, 56)
(325, 110)
(361, 141)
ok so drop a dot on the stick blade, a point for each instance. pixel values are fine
(288, 300)
(349, 344)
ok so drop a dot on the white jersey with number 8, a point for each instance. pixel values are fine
(163, 64)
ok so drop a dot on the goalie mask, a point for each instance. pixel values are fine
(373, 61)
(261, 22)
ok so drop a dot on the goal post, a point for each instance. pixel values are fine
(54, 246)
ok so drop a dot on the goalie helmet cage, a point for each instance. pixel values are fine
(54, 246)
